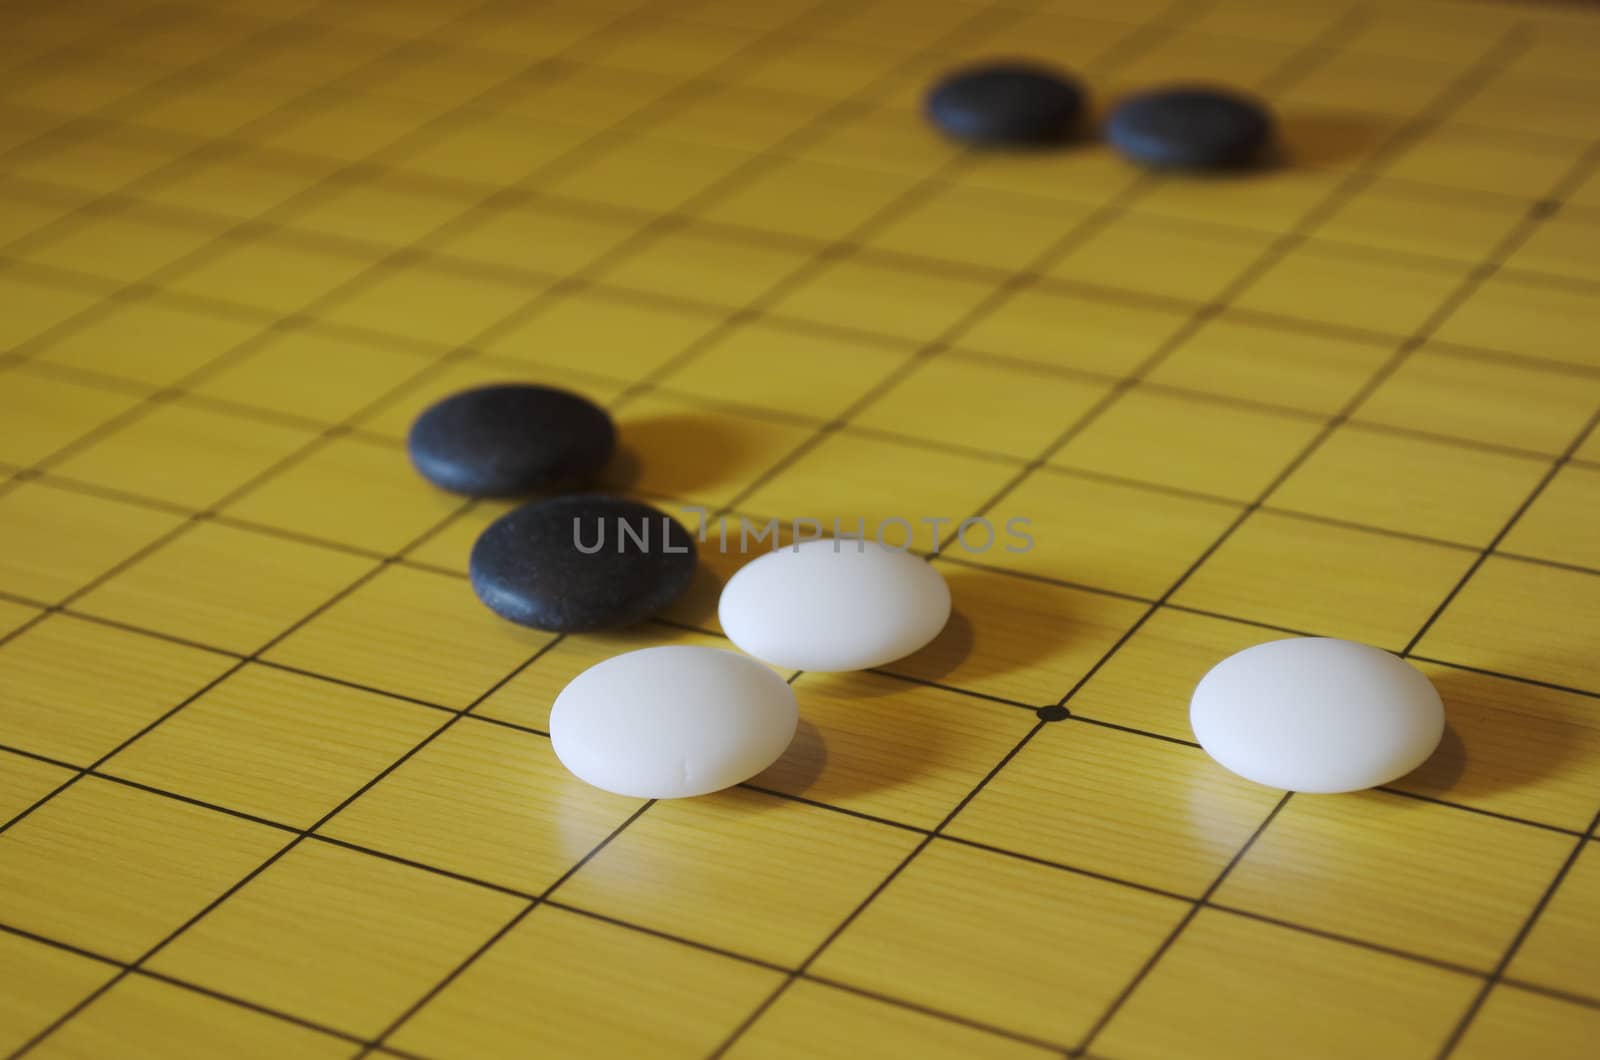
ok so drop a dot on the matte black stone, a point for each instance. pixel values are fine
(1006, 104)
(1190, 128)
(510, 439)
(582, 563)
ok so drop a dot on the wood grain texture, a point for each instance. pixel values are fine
(274, 783)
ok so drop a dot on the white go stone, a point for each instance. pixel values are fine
(672, 721)
(1315, 714)
(834, 604)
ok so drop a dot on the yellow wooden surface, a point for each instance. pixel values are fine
(273, 783)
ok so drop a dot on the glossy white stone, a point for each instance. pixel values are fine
(1315, 714)
(672, 721)
(834, 604)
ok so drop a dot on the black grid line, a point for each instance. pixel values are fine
(1152, 33)
(1015, 281)
(195, 517)
(1590, 1002)
(1354, 183)
(884, 672)
(717, 188)
(67, 1016)
(804, 326)
(140, 16)
(342, 290)
(1040, 281)
(1494, 978)
(184, 77)
(1172, 937)
(505, 929)
(1067, 472)
(522, 195)
(1449, 97)
(327, 185)
(1146, 734)
(1332, 423)
(107, 304)
(241, 662)
(299, 836)
(542, 898)
(406, 255)
(1559, 995)
(696, 944)
(160, 542)
(182, 984)
(1143, 36)
(400, 177)
(343, 430)
(84, 127)
(1458, 297)
(1476, 1005)
(950, 558)
(581, 280)
(1092, 719)
(1357, 180)
(1512, 818)
(1464, 195)
(1493, 547)
(469, 708)
(53, 275)
(116, 778)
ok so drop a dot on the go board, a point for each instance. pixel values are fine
(274, 784)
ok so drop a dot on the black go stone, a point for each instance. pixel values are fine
(1006, 104)
(511, 439)
(1190, 128)
(582, 563)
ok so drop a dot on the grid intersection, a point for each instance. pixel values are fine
(439, 52)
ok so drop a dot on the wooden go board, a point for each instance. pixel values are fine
(275, 785)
